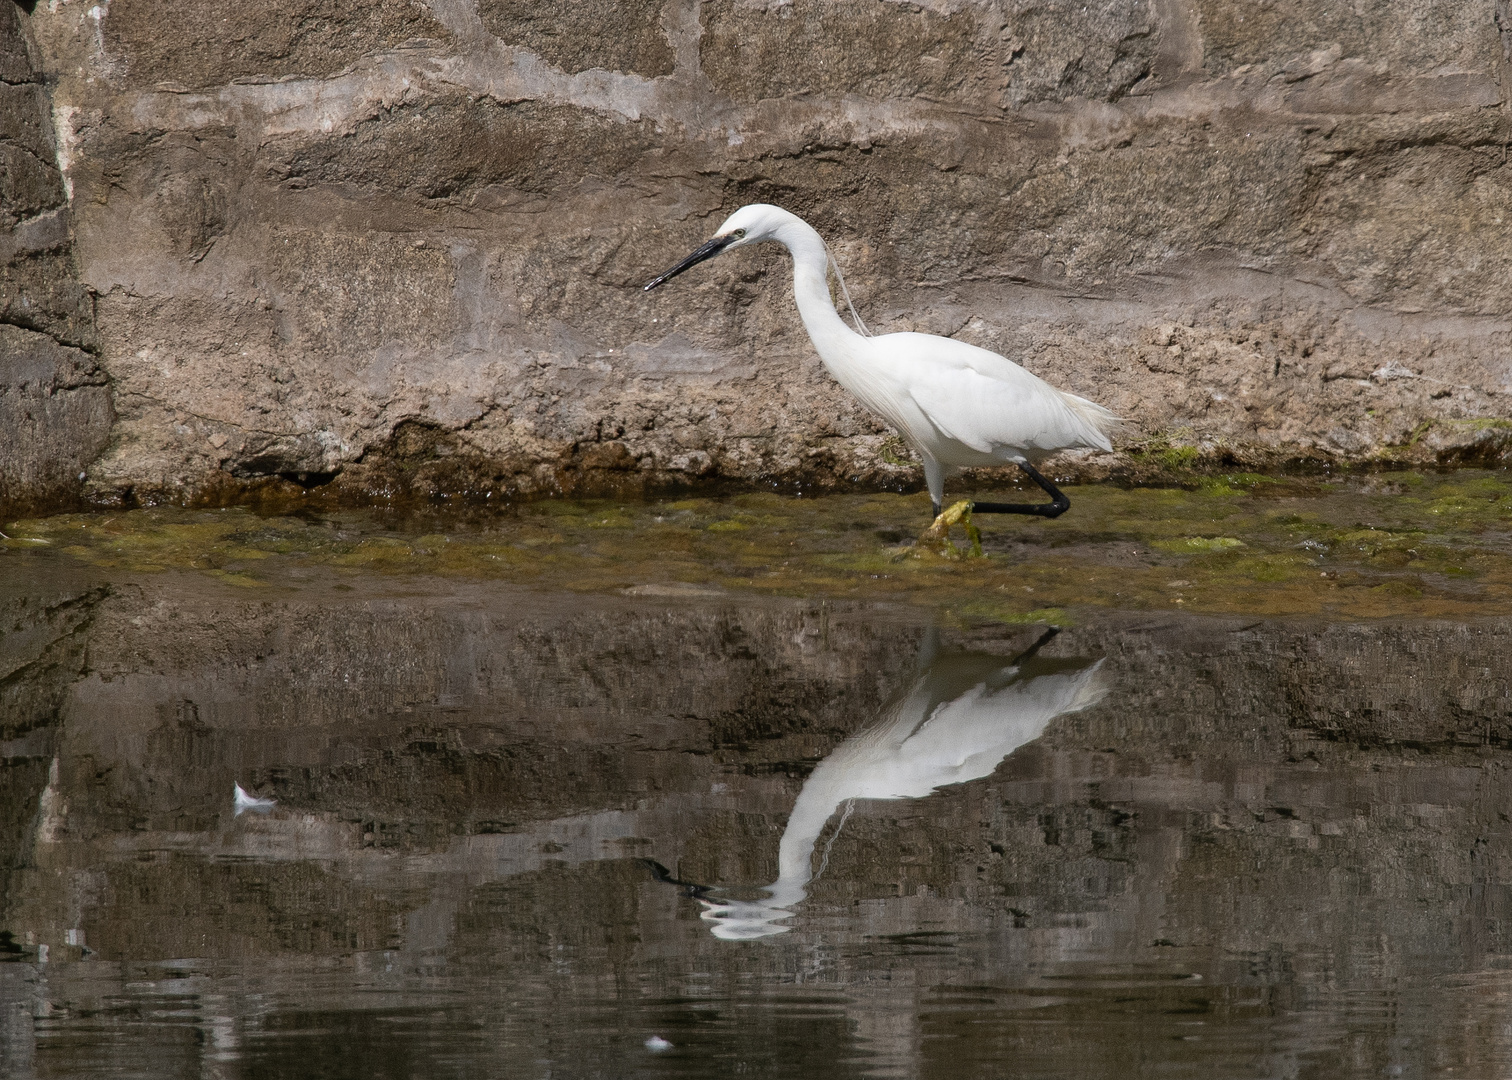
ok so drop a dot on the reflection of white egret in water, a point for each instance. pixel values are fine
(959, 718)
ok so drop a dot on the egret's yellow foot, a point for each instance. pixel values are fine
(937, 536)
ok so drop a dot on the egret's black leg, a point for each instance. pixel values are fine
(1058, 505)
(936, 511)
(1044, 639)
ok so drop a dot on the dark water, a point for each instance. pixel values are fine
(521, 834)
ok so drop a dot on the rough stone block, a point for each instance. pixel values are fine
(15, 62)
(56, 414)
(28, 184)
(24, 120)
(616, 35)
(215, 41)
(38, 291)
(1301, 37)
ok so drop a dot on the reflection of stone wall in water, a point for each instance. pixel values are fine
(405, 239)
(521, 753)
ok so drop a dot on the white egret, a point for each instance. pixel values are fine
(956, 404)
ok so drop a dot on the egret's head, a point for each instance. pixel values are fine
(748, 225)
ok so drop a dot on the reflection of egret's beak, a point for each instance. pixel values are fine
(734, 920)
(744, 920)
(708, 251)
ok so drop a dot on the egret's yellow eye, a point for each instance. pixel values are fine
(738, 234)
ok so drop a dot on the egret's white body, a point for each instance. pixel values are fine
(959, 719)
(955, 404)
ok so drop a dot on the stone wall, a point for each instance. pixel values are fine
(55, 412)
(401, 243)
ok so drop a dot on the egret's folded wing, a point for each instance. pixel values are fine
(986, 412)
(982, 399)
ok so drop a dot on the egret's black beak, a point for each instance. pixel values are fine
(708, 251)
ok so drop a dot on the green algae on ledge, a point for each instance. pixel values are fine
(1388, 545)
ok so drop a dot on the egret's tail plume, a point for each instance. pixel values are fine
(1092, 689)
(1100, 422)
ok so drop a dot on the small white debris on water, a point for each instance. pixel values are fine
(658, 1044)
(242, 801)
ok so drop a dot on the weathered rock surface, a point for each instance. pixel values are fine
(403, 242)
(55, 411)
(55, 414)
(38, 288)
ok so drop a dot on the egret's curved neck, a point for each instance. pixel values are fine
(816, 804)
(811, 290)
